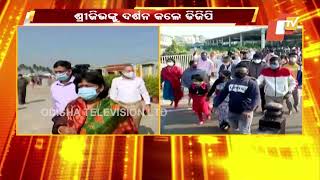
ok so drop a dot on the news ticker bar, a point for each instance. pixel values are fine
(200, 15)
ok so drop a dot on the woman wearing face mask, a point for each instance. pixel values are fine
(198, 91)
(223, 109)
(170, 76)
(187, 74)
(92, 112)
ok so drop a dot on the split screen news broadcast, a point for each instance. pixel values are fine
(177, 79)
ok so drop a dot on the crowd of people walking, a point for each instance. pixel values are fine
(238, 83)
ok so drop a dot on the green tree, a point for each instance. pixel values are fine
(31, 70)
(22, 66)
(176, 49)
(49, 70)
(108, 78)
(35, 68)
(42, 68)
(152, 85)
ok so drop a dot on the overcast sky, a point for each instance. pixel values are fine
(99, 46)
(206, 31)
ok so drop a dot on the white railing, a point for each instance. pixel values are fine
(181, 60)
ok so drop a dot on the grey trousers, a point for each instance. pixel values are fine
(240, 121)
(295, 95)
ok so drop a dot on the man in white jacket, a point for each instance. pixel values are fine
(278, 82)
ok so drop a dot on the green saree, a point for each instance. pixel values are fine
(107, 117)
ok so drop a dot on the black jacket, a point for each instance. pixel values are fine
(244, 95)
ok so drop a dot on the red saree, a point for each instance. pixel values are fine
(173, 75)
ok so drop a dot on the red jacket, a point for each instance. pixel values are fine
(277, 82)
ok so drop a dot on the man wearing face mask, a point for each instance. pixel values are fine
(205, 64)
(187, 74)
(251, 53)
(278, 83)
(227, 65)
(236, 58)
(216, 63)
(246, 58)
(244, 96)
(255, 68)
(128, 90)
(294, 68)
(269, 55)
(63, 90)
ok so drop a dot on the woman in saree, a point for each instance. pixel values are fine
(171, 76)
(93, 112)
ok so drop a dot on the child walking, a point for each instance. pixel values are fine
(223, 109)
(198, 92)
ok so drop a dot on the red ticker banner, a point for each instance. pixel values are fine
(214, 15)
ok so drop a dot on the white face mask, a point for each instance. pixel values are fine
(197, 82)
(170, 63)
(129, 75)
(257, 61)
(237, 60)
(293, 60)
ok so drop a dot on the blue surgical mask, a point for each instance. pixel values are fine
(88, 93)
(274, 66)
(62, 76)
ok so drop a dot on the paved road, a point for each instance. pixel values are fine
(184, 121)
(32, 119)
